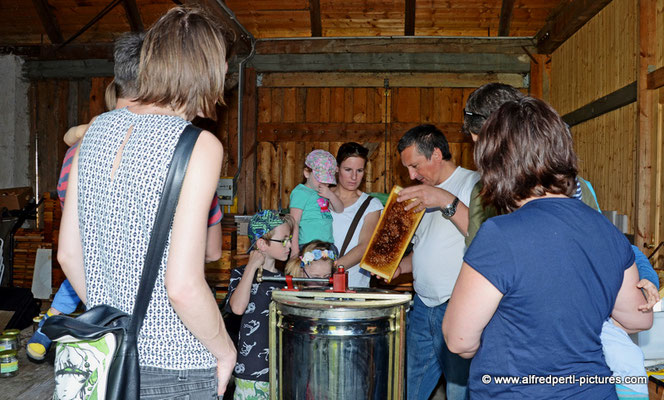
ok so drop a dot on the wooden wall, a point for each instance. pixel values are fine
(292, 121)
(620, 151)
(55, 106)
(599, 59)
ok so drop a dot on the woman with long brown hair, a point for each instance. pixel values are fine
(538, 283)
(352, 160)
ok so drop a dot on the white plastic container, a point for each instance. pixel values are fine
(652, 340)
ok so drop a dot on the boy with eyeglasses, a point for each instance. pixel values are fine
(270, 236)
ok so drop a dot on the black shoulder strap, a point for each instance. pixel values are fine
(162, 224)
(353, 225)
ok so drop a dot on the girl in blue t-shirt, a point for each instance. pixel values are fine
(311, 201)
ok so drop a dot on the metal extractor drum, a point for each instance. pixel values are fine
(337, 346)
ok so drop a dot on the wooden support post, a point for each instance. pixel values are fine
(316, 22)
(505, 18)
(409, 18)
(540, 76)
(246, 190)
(646, 116)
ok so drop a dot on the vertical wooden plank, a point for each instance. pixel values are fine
(300, 104)
(290, 104)
(264, 105)
(359, 105)
(277, 104)
(337, 105)
(247, 182)
(97, 92)
(84, 88)
(348, 105)
(458, 102)
(442, 111)
(276, 175)
(371, 105)
(426, 105)
(312, 112)
(292, 172)
(324, 105)
(643, 226)
(264, 176)
(406, 105)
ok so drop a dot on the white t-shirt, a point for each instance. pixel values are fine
(357, 277)
(438, 246)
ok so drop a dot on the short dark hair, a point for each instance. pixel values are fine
(524, 149)
(426, 138)
(352, 149)
(484, 101)
(127, 57)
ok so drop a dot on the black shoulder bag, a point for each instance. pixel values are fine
(100, 346)
(353, 225)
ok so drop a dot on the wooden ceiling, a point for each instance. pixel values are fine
(31, 26)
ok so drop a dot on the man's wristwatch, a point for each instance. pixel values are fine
(450, 209)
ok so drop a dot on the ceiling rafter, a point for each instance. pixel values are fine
(240, 42)
(566, 20)
(133, 15)
(409, 18)
(48, 21)
(505, 18)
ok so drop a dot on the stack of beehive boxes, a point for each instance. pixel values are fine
(26, 243)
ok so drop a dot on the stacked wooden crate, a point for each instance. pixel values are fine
(26, 243)
(218, 273)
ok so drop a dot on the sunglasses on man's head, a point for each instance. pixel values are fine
(284, 242)
(473, 114)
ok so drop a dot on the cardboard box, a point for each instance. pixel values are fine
(15, 198)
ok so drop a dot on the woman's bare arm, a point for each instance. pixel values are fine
(187, 289)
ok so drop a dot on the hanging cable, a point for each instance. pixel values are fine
(386, 89)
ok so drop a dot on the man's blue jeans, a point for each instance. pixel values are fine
(428, 356)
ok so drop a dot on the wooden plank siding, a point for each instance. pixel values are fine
(595, 62)
(294, 121)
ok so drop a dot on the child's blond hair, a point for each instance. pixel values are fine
(294, 266)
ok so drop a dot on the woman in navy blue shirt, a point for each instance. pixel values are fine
(538, 282)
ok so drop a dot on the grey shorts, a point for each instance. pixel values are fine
(168, 384)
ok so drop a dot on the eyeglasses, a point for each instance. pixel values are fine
(284, 242)
(473, 114)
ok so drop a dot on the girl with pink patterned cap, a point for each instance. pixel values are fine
(312, 200)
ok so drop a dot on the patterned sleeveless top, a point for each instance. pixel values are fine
(116, 216)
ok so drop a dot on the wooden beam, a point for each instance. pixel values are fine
(540, 77)
(133, 15)
(239, 37)
(409, 18)
(314, 15)
(656, 79)
(81, 51)
(397, 79)
(48, 21)
(247, 181)
(646, 117)
(67, 69)
(341, 132)
(505, 18)
(603, 105)
(564, 21)
(402, 62)
(396, 44)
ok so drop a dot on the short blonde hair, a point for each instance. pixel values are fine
(183, 63)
